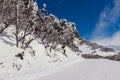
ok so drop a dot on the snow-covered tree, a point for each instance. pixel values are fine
(32, 23)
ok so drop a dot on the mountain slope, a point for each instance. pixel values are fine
(32, 42)
(36, 59)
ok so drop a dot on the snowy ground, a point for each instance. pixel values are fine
(13, 68)
(100, 69)
(87, 70)
(54, 65)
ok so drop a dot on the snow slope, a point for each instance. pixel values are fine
(87, 70)
(13, 67)
(55, 51)
(38, 61)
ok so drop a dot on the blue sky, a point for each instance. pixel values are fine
(88, 15)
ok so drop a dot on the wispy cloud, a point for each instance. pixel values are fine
(108, 18)
(113, 42)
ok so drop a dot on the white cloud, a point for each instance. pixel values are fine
(114, 40)
(108, 17)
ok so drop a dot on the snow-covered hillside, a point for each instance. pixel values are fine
(37, 59)
(34, 45)
(36, 49)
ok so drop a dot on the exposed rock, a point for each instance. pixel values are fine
(115, 57)
(20, 55)
(107, 49)
(91, 56)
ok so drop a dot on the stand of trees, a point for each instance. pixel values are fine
(32, 23)
(22, 14)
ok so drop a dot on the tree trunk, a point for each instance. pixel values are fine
(17, 26)
(2, 18)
